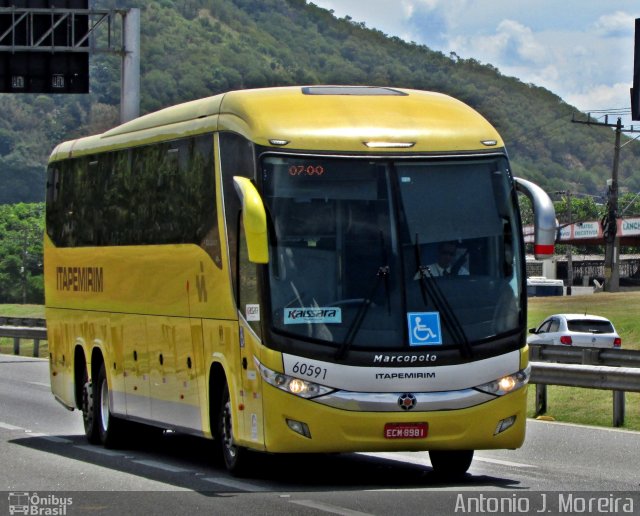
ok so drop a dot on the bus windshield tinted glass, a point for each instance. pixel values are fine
(391, 255)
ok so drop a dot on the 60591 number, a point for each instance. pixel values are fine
(309, 370)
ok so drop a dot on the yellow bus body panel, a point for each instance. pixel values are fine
(173, 280)
(431, 122)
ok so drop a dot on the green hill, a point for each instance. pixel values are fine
(197, 48)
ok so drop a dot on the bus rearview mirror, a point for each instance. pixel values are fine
(254, 219)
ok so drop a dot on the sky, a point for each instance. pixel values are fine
(581, 50)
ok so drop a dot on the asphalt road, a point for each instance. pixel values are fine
(46, 465)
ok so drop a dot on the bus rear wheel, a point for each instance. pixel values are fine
(236, 458)
(89, 417)
(109, 427)
(451, 463)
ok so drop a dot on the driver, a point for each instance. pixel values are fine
(446, 264)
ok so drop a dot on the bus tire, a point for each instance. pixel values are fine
(451, 463)
(109, 427)
(236, 458)
(89, 416)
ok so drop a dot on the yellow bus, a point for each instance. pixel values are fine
(266, 268)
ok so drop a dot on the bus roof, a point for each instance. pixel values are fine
(327, 118)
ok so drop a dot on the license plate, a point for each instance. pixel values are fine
(406, 430)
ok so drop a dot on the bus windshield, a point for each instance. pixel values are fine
(361, 246)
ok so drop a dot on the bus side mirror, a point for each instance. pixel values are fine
(544, 215)
(254, 219)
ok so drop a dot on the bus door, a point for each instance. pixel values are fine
(249, 333)
(251, 389)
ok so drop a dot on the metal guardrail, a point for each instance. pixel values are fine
(587, 376)
(582, 355)
(23, 321)
(20, 328)
(617, 370)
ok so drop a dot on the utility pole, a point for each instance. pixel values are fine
(566, 195)
(609, 221)
(610, 227)
(570, 248)
(23, 268)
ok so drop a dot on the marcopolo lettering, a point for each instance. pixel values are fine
(404, 359)
(80, 279)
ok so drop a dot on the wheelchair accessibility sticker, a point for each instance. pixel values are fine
(424, 328)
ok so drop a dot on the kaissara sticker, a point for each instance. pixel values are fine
(319, 315)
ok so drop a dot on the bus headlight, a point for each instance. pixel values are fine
(291, 384)
(507, 384)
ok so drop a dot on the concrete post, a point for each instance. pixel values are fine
(130, 78)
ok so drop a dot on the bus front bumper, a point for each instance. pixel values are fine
(293, 425)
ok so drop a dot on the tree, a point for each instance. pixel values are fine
(21, 267)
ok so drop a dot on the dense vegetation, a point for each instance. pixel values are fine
(197, 48)
(21, 230)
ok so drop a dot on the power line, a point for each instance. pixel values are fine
(609, 110)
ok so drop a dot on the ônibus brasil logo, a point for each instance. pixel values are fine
(40, 505)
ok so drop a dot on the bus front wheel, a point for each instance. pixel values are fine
(235, 457)
(451, 463)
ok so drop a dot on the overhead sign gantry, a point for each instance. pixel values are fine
(45, 47)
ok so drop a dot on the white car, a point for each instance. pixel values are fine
(576, 330)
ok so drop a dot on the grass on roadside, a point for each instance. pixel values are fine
(25, 311)
(586, 406)
(25, 347)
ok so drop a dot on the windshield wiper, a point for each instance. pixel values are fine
(382, 276)
(430, 288)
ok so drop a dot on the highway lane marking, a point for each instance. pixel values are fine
(101, 451)
(398, 458)
(41, 384)
(7, 426)
(426, 462)
(581, 427)
(504, 462)
(163, 466)
(49, 437)
(332, 509)
(236, 484)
